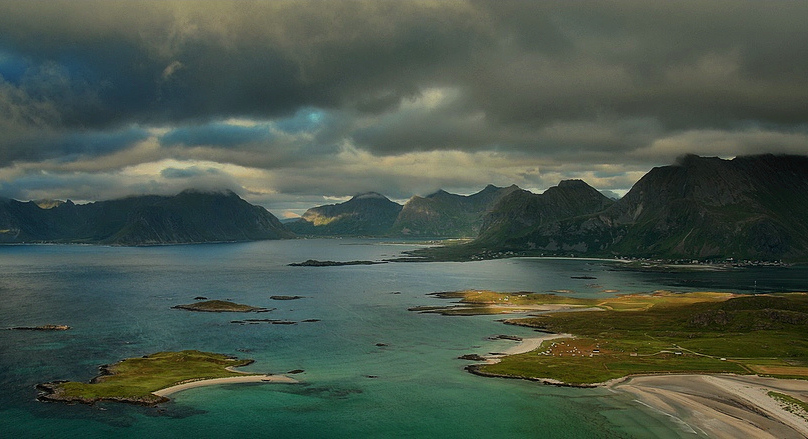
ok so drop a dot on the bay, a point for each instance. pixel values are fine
(371, 368)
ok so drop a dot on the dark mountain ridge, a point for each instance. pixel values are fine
(189, 217)
(751, 207)
(367, 214)
(521, 211)
(443, 214)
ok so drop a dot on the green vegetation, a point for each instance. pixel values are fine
(573, 361)
(479, 302)
(134, 379)
(791, 404)
(218, 306)
(661, 333)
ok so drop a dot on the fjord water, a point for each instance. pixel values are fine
(372, 368)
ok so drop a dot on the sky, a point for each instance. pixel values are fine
(293, 104)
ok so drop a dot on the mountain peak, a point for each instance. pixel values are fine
(438, 193)
(224, 192)
(365, 214)
(572, 183)
(146, 220)
(690, 160)
(369, 195)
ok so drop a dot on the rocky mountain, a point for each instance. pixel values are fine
(442, 214)
(368, 214)
(521, 212)
(189, 217)
(750, 207)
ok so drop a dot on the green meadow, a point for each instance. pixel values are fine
(134, 379)
(654, 333)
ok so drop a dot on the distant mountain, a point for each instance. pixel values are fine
(442, 214)
(747, 208)
(190, 217)
(368, 214)
(520, 213)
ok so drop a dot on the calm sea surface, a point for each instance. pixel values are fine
(118, 302)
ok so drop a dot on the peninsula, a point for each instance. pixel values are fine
(148, 380)
(673, 351)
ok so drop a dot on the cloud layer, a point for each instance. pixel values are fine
(290, 101)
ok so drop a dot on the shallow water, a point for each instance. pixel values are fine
(118, 302)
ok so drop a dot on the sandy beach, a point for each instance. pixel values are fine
(229, 380)
(721, 406)
(716, 406)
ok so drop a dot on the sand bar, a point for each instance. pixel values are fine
(721, 406)
(229, 380)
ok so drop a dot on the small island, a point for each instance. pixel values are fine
(316, 263)
(148, 380)
(219, 306)
(41, 328)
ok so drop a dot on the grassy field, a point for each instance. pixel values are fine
(135, 379)
(661, 333)
(478, 302)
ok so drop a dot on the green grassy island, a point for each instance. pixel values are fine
(135, 380)
(219, 306)
(635, 334)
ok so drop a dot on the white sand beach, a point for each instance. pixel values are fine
(229, 380)
(716, 406)
(722, 406)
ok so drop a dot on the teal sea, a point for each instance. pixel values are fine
(118, 302)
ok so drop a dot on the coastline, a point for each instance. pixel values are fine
(720, 405)
(525, 345)
(716, 405)
(229, 380)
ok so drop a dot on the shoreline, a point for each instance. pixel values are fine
(716, 405)
(525, 345)
(719, 405)
(268, 378)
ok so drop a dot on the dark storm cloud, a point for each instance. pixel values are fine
(541, 83)
(175, 173)
(688, 64)
(216, 134)
(158, 62)
(76, 144)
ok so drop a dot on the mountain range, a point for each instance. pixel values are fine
(189, 217)
(368, 214)
(438, 215)
(750, 207)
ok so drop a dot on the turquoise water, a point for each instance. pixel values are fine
(118, 302)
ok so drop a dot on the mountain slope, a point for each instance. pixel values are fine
(448, 215)
(746, 208)
(750, 207)
(189, 217)
(368, 214)
(521, 212)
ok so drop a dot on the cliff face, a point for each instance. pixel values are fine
(448, 215)
(369, 214)
(189, 217)
(522, 213)
(750, 207)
